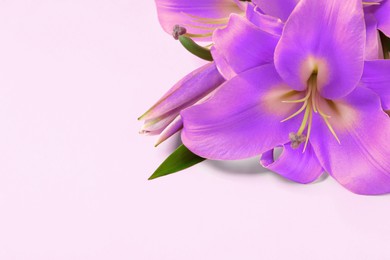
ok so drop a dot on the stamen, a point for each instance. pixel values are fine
(296, 140)
(308, 129)
(313, 100)
(331, 129)
(304, 121)
(200, 27)
(370, 3)
(296, 113)
(310, 104)
(200, 19)
(298, 100)
(322, 113)
(178, 31)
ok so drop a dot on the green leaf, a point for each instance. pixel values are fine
(180, 159)
(195, 49)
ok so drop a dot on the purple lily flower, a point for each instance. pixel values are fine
(319, 101)
(163, 118)
(200, 17)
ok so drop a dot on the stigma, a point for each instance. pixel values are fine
(310, 105)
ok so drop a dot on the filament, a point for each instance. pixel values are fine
(308, 129)
(201, 19)
(310, 104)
(371, 3)
(296, 113)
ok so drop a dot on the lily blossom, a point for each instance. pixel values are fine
(163, 118)
(200, 17)
(318, 100)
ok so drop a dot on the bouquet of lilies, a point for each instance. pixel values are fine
(311, 77)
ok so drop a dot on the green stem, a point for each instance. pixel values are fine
(195, 49)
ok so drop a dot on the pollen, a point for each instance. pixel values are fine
(296, 140)
(178, 31)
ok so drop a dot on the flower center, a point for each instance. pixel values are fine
(310, 104)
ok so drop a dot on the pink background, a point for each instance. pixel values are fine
(74, 76)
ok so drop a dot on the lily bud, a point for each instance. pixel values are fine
(163, 118)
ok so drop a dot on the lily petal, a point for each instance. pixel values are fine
(361, 162)
(294, 164)
(156, 126)
(267, 23)
(277, 8)
(174, 127)
(242, 46)
(186, 92)
(242, 119)
(376, 76)
(373, 47)
(196, 16)
(223, 65)
(383, 17)
(330, 42)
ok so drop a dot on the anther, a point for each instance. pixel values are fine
(296, 140)
(178, 31)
